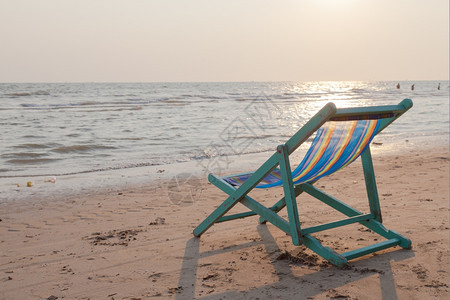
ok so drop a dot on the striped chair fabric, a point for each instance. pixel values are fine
(336, 145)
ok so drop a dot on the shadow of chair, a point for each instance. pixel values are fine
(322, 280)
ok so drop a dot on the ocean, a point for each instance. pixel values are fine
(54, 130)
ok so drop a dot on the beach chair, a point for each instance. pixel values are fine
(342, 135)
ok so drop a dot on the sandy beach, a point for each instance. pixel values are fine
(136, 242)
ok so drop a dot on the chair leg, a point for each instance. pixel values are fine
(255, 209)
(388, 234)
(215, 215)
(281, 203)
(289, 195)
(325, 252)
(276, 208)
(371, 185)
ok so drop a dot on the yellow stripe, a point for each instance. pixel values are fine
(319, 153)
(372, 126)
(341, 147)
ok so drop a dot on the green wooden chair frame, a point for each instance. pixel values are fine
(292, 226)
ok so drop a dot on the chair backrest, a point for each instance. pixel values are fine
(341, 137)
(336, 145)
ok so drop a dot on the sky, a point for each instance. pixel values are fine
(218, 40)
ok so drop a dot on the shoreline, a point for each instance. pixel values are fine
(51, 186)
(137, 243)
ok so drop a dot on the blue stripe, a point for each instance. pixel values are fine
(335, 141)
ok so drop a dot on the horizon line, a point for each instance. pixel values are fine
(245, 81)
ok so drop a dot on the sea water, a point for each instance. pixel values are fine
(54, 130)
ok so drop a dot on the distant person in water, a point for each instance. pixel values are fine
(412, 87)
(398, 86)
(439, 86)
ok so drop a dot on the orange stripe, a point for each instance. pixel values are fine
(367, 136)
(340, 149)
(322, 147)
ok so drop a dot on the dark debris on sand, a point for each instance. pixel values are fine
(158, 221)
(114, 237)
(303, 258)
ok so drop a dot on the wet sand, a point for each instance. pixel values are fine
(137, 243)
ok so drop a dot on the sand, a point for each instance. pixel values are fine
(136, 242)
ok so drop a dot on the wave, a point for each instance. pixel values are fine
(19, 94)
(30, 136)
(27, 94)
(23, 154)
(254, 137)
(244, 99)
(174, 101)
(33, 146)
(121, 167)
(32, 161)
(88, 107)
(81, 148)
(123, 95)
(126, 104)
(131, 139)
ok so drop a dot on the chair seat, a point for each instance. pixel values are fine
(336, 145)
